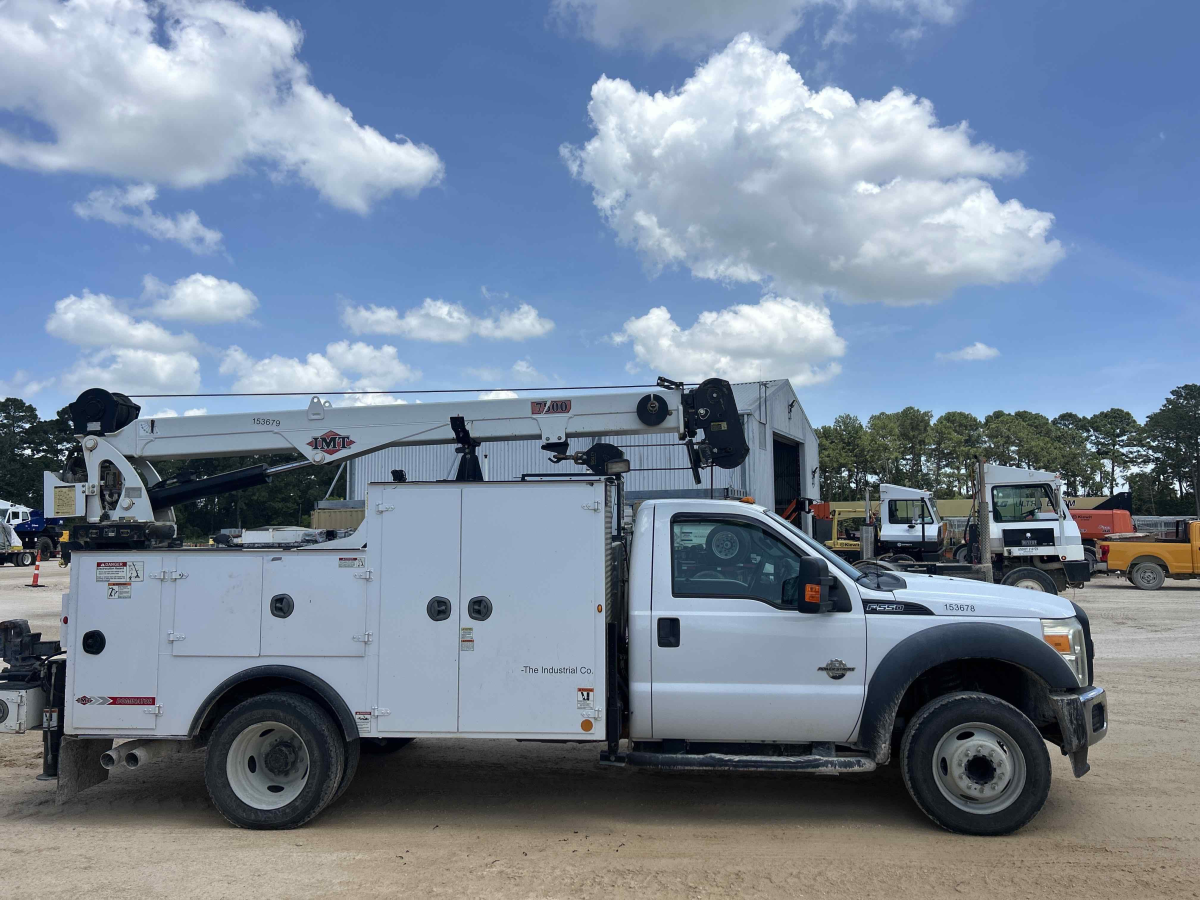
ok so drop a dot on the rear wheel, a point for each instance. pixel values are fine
(1147, 576)
(1030, 579)
(975, 764)
(274, 761)
(962, 553)
(23, 558)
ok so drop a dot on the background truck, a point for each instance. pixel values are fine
(712, 635)
(1148, 564)
(908, 528)
(1113, 516)
(36, 533)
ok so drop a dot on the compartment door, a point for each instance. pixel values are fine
(418, 553)
(113, 689)
(217, 601)
(531, 655)
(313, 605)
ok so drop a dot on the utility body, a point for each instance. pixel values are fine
(708, 635)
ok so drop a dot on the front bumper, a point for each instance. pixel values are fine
(1082, 720)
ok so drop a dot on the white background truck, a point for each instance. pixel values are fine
(522, 610)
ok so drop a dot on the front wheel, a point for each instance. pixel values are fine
(274, 761)
(1031, 579)
(975, 764)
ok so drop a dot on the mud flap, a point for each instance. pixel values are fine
(79, 765)
(1079, 761)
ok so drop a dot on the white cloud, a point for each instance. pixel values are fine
(199, 298)
(521, 370)
(778, 337)
(443, 322)
(131, 206)
(94, 320)
(498, 395)
(695, 24)
(136, 371)
(378, 368)
(22, 384)
(744, 174)
(187, 92)
(971, 353)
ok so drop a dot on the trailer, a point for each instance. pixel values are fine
(710, 635)
(37, 536)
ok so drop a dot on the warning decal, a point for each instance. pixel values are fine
(85, 700)
(120, 571)
(363, 721)
(351, 562)
(120, 590)
(584, 697)
(466, 639)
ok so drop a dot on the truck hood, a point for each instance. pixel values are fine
(946, 596)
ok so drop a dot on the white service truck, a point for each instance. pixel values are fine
(526, 610)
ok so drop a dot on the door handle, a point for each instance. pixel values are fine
(479, 608)
(438, 609)
(668, 632)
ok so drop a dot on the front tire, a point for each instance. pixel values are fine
(1030, 579)
(1147, 576)
(975, 764)
(274, 761)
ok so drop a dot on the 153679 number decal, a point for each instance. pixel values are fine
(259, 420)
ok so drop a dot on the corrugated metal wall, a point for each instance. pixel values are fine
(658, 461)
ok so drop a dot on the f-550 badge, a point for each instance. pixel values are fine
(331, 442)
(835, 669)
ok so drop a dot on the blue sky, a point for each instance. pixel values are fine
(331, 239)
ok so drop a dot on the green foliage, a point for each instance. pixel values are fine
(28, 446)
(1160, 460)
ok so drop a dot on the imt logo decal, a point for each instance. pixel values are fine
(331, 442)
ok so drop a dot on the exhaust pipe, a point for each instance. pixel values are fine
(110, 758)
(138, 753)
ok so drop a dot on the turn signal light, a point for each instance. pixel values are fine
(1060, 642)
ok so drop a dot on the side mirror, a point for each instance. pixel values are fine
(808, 590)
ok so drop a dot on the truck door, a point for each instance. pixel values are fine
(731, 661)
(531, 618)
(418, 558)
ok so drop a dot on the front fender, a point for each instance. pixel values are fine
(938, 644)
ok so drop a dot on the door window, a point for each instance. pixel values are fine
(908, 512)
(715, 557)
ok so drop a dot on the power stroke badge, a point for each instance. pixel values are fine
(835, 669)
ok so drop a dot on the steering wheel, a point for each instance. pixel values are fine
(1030, 514)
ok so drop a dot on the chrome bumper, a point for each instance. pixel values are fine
(1083, 721)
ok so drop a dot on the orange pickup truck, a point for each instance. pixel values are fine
(1147, 564)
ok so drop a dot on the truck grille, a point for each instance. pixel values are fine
(1028, 537)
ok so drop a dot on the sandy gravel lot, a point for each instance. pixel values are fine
(500, 820)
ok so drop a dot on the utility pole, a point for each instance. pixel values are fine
(985, 524)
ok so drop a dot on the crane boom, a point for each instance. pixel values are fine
(113, 479)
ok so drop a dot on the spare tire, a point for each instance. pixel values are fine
(728, 544)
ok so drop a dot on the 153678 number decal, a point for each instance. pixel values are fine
(959, 607)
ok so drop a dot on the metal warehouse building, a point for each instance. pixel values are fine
(781, 467)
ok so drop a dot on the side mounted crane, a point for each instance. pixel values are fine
(112, 481)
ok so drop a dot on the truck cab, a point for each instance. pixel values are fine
(909, 526)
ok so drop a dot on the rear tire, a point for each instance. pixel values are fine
(975, 764)
(23, 559)
(962, 553)
(383, 746)
(274, 761)
(1147, 576)
(1030, 579)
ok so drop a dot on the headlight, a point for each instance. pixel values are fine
(1066, 636)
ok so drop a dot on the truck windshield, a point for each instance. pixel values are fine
(824, 552)
(1021, 502)
(909, 512)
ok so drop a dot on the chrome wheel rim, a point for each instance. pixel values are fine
(267, 765)
(726, 545)
(979, 768)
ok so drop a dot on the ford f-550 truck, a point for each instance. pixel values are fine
(712, 635)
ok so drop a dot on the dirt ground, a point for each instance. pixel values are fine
(500, 820)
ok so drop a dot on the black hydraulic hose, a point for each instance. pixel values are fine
(171, 493)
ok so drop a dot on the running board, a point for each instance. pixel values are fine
(728, 762)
